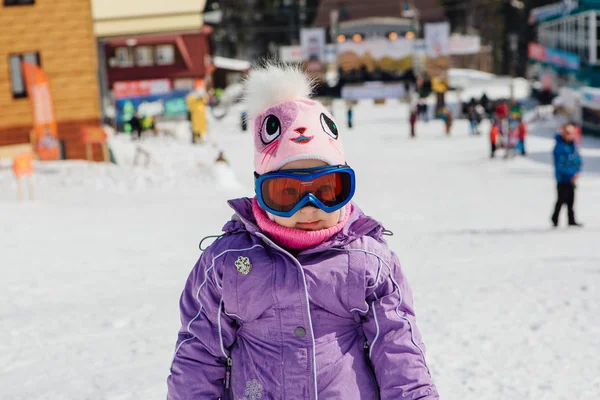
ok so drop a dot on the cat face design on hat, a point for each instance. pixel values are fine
(287, 124)
(295, 130)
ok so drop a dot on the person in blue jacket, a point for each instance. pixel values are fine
(567, 165)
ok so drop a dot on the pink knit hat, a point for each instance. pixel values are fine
(288, 125)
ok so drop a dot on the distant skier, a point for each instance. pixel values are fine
(473, 120)
(350, 116)
(422, 110)
(136, 125)
(448, 119)
(495, 133)
(485, 103)
(522, 134)
(413, 121)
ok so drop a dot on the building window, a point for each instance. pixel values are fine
(165, 54)
(18, 2)
(124, 57)
(144, 56)
(19, 89)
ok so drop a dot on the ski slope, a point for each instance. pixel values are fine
(91, 270)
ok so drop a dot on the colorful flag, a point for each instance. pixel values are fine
(44, 122)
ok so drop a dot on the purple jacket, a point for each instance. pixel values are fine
(332, 322)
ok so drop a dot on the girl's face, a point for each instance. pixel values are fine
(308, 218)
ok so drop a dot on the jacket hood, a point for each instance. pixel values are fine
(358, 225)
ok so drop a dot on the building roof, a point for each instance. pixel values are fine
(130, 9)
(114, 18)
(429, 10)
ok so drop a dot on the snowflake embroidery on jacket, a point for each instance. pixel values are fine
(254, 390)
(243, 265)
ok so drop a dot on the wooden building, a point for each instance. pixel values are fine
(58, 35)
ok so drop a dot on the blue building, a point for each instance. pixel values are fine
(568, 53)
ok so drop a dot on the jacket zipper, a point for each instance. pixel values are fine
(369, 363)
(228, 373)
(295, 260)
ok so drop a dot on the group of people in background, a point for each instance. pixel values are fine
(508, 121)
(421, 112)
(508, 131)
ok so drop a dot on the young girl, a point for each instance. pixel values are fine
(301, 298)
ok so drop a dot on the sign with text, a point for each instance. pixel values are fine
(123, 89)
(462, 44)
(553, 10)
(291, 54)
(373, 90)
(555, 57)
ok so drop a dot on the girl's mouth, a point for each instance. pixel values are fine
(308, 225)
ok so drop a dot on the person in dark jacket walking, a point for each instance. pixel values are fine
(473, 121)
(413, 121)
(567, 165)
(350, 115)
(422, 111)
(485, 103)
(136, 125)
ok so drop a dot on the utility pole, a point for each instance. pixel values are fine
(302, 13)
(470, 28)
(505, 66)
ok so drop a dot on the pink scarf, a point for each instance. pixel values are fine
(291, 238)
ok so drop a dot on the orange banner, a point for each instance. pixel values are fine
(22, 165)
(44, 123)
(93, 135)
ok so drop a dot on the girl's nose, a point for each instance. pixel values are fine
(309, 209)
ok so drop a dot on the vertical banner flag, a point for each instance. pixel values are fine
(312, 41)
(437, 42)
(44, 123)
(437, 39)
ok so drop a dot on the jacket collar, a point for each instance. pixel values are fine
(358, 225)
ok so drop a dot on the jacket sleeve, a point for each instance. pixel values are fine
(396, 350)
(560, 166)
(199, 362)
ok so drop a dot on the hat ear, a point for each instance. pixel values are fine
(272, 84)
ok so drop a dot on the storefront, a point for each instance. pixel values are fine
(153, 74)
(567, 31)
(151, 54)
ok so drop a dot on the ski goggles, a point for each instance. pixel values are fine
(284, 192)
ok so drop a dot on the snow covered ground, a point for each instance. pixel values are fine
(92, 269)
